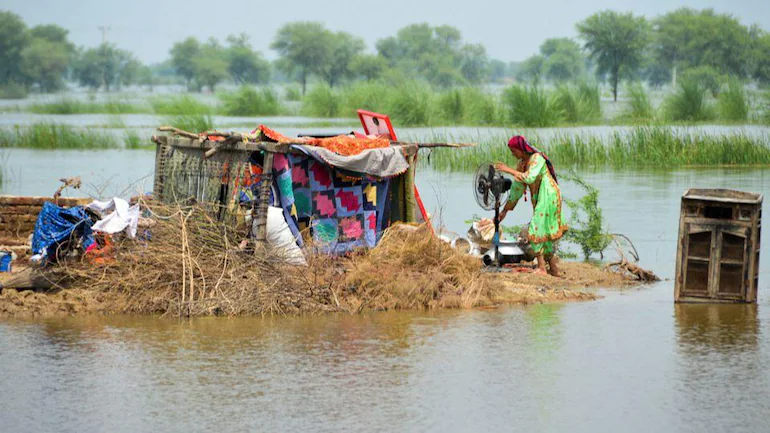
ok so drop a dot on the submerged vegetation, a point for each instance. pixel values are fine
(644, 146)
(640, 108)
(74, 106)
(689, 103)
(248, 101)
(55, 136)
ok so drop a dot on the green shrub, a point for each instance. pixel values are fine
(411, 104)
(709, 78)
(364, 95)
(531, 106)
(586, 221)
(639, 105)
(248, 101)
(195, 123)
(451, 106)
(688, 102)
(733, 103)
(580, 103)
(132, 140)
(481, 108)
(184, 105)
(322, 101)
(55, 136)
(74, 106)
(13, 91)
(293, 93)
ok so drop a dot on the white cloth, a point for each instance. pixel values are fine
(123, 218)
(280, 237)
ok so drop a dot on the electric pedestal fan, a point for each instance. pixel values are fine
(491, 189)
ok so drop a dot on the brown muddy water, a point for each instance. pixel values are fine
(632, 361)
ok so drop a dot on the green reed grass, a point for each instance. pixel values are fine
(531, 106)
(194, 123)
(248, 101)
(184, 105)
(322, 101)
(639, 106)
(364, 95)
(74, 106)
(647, 146)
(132, 140)
(413, 104)
(689, 103)
(55, 136)
(733, 103)
(293, 93)
(579, 103)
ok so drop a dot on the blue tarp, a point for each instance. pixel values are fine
(55, 225)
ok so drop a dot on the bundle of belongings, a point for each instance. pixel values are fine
(86, 229)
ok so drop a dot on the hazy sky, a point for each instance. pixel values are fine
(510, 30)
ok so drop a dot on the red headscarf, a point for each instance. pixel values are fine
(520, 143)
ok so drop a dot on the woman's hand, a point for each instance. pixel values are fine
(519, 176)
(499, 166)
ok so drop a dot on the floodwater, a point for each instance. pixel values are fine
(632, 361)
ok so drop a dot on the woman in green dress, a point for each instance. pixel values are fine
(536, 173)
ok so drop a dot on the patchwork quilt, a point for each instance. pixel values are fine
(344, 213)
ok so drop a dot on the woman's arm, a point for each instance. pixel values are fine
(535, 166)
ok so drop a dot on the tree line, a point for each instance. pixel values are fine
(611, 46)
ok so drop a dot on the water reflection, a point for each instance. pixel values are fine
(729, 329)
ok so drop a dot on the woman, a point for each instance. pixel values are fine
(535, 171)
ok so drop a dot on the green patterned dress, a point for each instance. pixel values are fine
(546, 226)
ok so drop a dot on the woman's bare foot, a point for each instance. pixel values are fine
(540, 271)
(553, 266)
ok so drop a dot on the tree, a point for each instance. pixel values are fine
(302, 47)
(434, 53)
(244, 64)
(563, 59)
(687, 38)
(368, 66)
(183, 58)
(474, 63)
(44, 63)
(616, 42)
(342, 49)
(531, 69)
(13, 39)
(762, 58)
(105, 66)
(211, 66)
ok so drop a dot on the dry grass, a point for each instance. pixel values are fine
(191, 266)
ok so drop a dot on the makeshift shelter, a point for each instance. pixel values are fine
(341, 191)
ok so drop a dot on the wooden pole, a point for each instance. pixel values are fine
(259, 212)
(409, 200)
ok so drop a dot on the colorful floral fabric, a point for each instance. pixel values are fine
(546, 226)
(341, 144)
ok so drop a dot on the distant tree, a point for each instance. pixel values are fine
(45, 63)
(436, 54)
(474, 63)
(105, 66)
(244, 64)
(688, 38)
(211, 66)
(563, 59)
(761, 56)
(302, 47)
(616, 42)
(183, 58)
(53, 33)
(13, 39)
(531, 69)
(342, 48)
(368, 66)
(497, 70)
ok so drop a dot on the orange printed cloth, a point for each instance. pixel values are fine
(342, 144)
